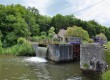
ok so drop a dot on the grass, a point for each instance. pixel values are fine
(22, 48)
(106, 75)
(107, 53)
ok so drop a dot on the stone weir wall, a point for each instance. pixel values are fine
(40, 51)
(60, 52)
(92, 57)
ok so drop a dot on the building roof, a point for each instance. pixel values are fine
(62, 33)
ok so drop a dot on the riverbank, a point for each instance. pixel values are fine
(22, 48)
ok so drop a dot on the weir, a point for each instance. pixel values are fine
(40, 54)
(40, 51)
(91, 55)
(60, 52)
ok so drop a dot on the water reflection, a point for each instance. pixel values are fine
(15, 68)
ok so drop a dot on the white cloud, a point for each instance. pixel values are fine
(99, 12)
(41, 5)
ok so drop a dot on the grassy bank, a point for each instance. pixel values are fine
(107, 53)
(22, 48)
(106, 75)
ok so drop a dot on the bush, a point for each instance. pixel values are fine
(106, 75)
(21, 40)
(107, 56)
(107, 53)
(77, 32)
(0, 47)
(23, 48)
(90, 40)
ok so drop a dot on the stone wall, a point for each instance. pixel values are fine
(40, 51)
(60, 52)
(91, 55)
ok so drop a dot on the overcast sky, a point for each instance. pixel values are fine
(99, 12)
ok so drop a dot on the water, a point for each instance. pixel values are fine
(25, 68)
(35, 59)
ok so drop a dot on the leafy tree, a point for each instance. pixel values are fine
(43, 33)
(77, 32)
(51, 32)
(58, 22)
(44, 22)
(17, 21)
(102, 36)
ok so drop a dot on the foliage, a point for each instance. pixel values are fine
(44, 22)
(24, 49)
(108, 45)
(90, 40)
(62, 22)
(77, 32)
(107, 53)
(106, 75)
(18, 21)
(102, 36)
(43, 33)
(21, 40)
(107, 56)
(51, 32)
(85, 65)
(0, 47)
(0, 43)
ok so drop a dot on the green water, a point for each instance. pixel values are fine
(17, 68)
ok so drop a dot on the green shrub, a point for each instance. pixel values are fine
(21, 40)
(108, 45)
(106, 75)
(107, 56)
(0, 47)
(23, 48)
(90, 40)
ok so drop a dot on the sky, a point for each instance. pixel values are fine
(79, 8)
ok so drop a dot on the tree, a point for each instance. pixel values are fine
(102, 36)
(44, 22)
(43, 33)
(51, 32)
(77, 32)
(17, 21)
(58, 22)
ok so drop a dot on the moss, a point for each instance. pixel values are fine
(86, 66)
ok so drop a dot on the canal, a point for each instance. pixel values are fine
(21, 68)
